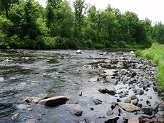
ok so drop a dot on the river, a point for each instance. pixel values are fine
(65, 73)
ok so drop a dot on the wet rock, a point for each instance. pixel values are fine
(15, 116)
(78, 52)
(128, 100)
(94, 79)
(54, 101)
(150, 97)
(119, 53)
(133, 97)
(111, 80)
(38, 117)
(97, 101)
(88, 121)
(113, 105)
(135, 102)
(32, 99)
(76, 112)
(138, 91)
(148, 103)
(118, 100)
(146, 119)
(110, 112)
(110, 72)
(147, 110)
(110, 90)
(24, 107)
(112, 120)
(155, 88)
(129, 107)
(123, 94)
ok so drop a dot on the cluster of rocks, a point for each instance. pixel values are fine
(130, 107)
(138, 79)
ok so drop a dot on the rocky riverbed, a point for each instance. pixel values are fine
(66, 86)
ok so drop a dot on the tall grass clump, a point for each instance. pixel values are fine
(156, 53)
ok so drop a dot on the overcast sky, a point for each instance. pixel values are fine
(152, 9)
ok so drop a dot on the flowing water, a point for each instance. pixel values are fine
(57, 72)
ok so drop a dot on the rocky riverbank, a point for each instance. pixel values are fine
(120, 88)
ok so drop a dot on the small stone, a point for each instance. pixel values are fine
(76, 112)
(133, 97)
(15, 116)
(94, 79)
(97, 101)
(150, 97)
(110, 90)
(118, 100)
(32, 99)
(128, 100)
(110, 112)
(112, 120)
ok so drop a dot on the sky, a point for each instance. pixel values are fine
(152, 9)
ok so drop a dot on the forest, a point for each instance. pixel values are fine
(25, 24)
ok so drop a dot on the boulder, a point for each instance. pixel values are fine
(129, 107)
(110, 90)
(54, 101)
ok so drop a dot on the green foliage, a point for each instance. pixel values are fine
(156, 53)
(26, 24)
(158, 32)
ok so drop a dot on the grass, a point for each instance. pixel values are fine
(156, 53)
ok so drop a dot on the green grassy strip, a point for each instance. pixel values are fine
(156, 53)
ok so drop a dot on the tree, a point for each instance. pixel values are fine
(6, 4)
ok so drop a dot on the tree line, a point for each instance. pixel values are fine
(26, 24)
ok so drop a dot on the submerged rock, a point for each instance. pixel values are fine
(94, 79)
(112, 120)
(54, 101)
(24, 107)
(76, 112)
(32, 99)
(97, 101)
(15, 116)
